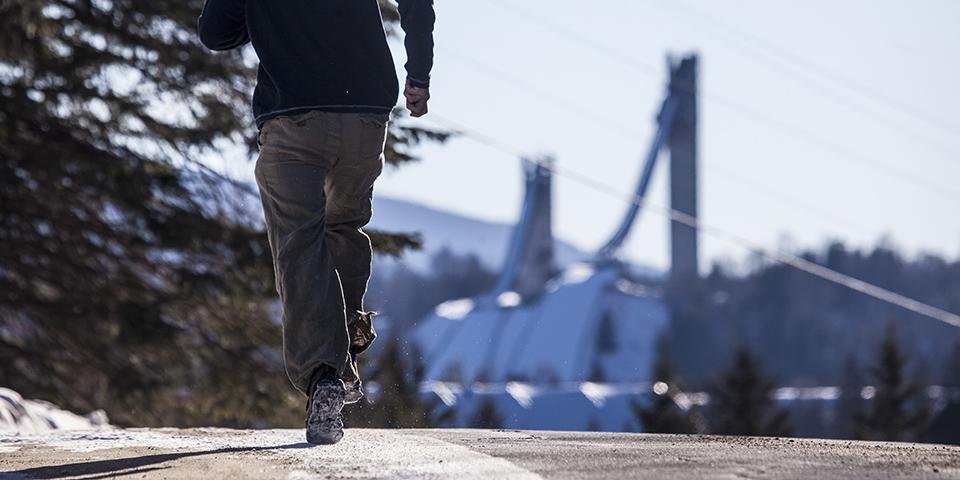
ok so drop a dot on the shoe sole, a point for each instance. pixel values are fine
(324, 440)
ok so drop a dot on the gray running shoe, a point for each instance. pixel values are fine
(324, 423)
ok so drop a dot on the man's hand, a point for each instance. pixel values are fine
(416, 99)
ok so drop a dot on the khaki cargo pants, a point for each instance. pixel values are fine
(315, 173)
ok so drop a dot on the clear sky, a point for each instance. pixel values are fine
(818, 119)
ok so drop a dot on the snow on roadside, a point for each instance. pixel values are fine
(20, 416)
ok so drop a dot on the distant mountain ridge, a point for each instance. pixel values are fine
(459, 233)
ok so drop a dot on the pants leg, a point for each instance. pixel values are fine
(295, 160)
(349, 192)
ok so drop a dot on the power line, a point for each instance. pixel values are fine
(569, 107)
(730, 175)
(551, 99)
(798, 203)
(805, 135)
(804, 63)
(837, 148)
(842, 151)
(777, 256)
(757, 42)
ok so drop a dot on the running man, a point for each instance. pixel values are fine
(325, 88)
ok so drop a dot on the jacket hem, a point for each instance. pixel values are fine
(263, 117)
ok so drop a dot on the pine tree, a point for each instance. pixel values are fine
(851, 402)
(664, 415)
(133, 277)
(742, 403)
(116, 258)
(951, 368)
(898, 410)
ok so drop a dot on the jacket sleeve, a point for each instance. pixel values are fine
(223, 24)
(416, 20)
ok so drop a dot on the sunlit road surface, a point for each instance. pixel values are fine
(460, 454)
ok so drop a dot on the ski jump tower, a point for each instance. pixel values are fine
(530, 262)
(677, 133)
(592, 320)
(682, 143)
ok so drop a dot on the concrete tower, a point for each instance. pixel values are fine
(683, 169)
(530, 256)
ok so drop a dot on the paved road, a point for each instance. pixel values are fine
(460, 454)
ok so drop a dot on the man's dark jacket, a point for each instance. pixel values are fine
(329, 55)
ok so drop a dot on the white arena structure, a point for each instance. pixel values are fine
(568, 347)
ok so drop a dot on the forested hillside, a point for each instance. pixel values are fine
(806, 330)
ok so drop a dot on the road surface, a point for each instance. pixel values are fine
(459, 454)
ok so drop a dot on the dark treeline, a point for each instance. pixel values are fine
(725, 341)
(807, 331)
(885, 401)
(777, 326)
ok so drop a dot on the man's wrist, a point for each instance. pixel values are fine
(418, 83)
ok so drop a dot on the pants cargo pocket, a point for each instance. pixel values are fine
(362, 333)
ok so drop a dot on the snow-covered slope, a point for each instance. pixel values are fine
(572, 407)
(590, 324)
(461, 234)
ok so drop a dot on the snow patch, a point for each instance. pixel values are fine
(18, 415)
(509, 299)
(455, 309)
(597, 393)
(578, 272)
(521, 392)
(447, 392)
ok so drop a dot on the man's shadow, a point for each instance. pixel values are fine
(128, 466)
